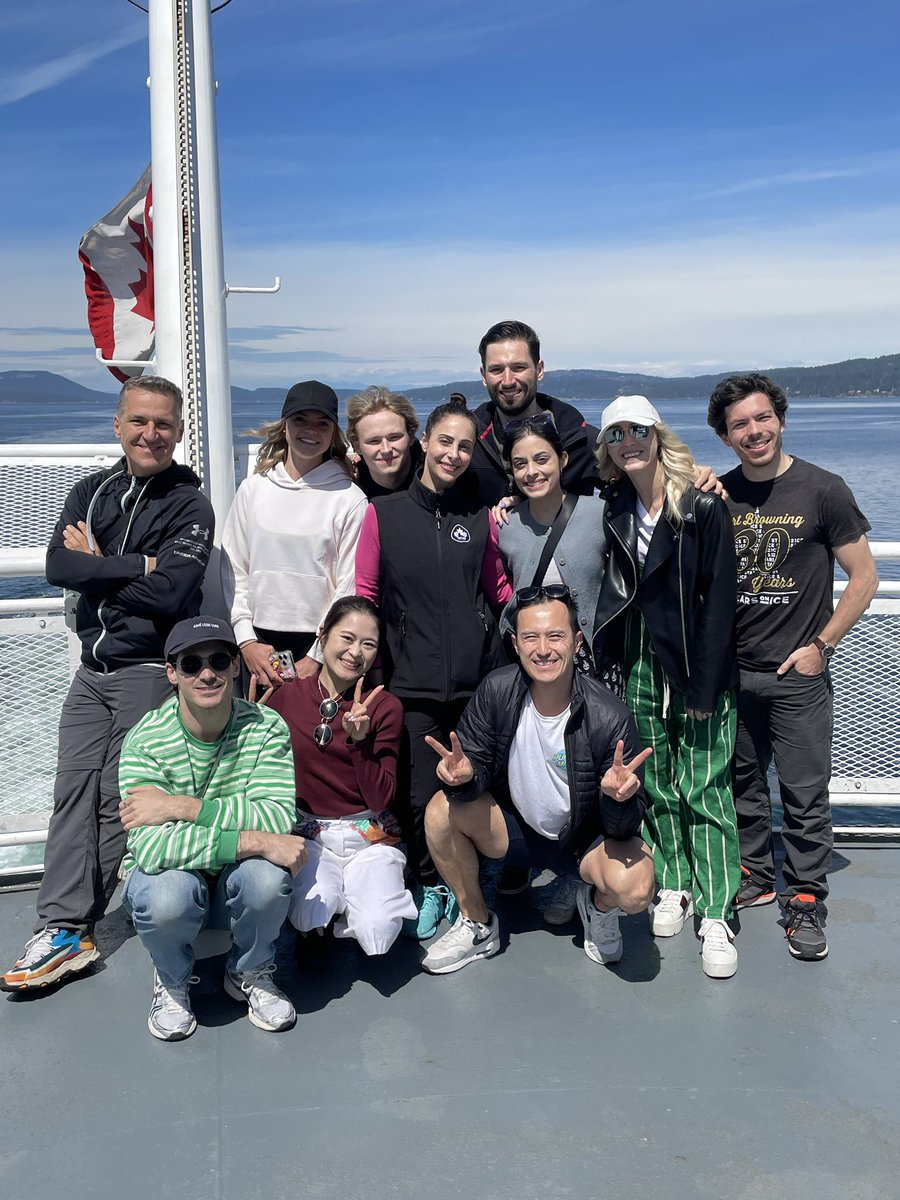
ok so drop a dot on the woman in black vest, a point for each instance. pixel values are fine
(428, 556)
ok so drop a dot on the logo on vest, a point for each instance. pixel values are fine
(459, 533)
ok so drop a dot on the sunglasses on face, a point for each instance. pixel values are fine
(193, 664)
(323, 733)
(613, 436)
(550, 591)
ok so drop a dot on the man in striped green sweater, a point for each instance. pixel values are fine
(207, 784)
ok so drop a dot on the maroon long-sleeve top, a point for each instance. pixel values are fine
(343, 778)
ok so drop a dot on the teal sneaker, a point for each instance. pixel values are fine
(431, 902)
(451, 909)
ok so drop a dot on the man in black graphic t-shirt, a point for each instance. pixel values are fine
(791, 521)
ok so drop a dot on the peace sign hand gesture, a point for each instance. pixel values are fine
(357, 722)
(454, 767)
(620, 782)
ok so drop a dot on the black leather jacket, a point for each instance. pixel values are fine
(687, 593)
(597, 721)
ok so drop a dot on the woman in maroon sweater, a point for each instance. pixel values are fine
(345, 748)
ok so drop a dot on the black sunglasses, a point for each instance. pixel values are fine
(193, 664)
(542, 423)
(323, 733)
(550, 591)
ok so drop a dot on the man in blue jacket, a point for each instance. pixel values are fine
(134, 541)
(566, 749)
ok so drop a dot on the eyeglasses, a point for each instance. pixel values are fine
(193, 664)
(551, 591)
(323, 733)
(613, 436)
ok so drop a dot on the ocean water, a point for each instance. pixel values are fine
(858, 439)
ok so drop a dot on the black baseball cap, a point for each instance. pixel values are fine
(311, 396)
(197, 630)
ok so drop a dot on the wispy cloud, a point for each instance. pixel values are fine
(266, 354)
(865, 165)
(256, 333)
(42, 330)
(27, 81)
(421, 41)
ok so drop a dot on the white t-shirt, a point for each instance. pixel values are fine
(645, 526)
(538, 782)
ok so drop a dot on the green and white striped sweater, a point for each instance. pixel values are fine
(245, 780)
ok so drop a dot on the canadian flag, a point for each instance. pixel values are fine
(117, 256)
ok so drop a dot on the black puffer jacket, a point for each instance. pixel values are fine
(578, 438)
(687, 593)
(124, 614)
(596, 722)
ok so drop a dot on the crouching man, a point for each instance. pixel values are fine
(568, 749)
(207, 785)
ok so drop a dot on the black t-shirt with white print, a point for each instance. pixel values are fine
(785, 533)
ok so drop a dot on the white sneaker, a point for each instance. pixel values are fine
(670, 912)
(170, 1019)
(467, 941)
(720, 960)
(269, 1007)
(602, 936)
(561, 908)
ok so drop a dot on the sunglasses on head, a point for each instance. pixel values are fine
(323, 733)
(542, 423)
(193, 664)
(550, 591)
(613, 436)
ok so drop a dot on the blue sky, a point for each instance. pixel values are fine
(654, 186)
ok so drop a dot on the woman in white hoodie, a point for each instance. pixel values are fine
(289, 543)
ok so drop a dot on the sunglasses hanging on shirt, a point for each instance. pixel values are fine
(323, 733)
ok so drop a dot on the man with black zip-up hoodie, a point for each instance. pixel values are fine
(134, 541)
(511, 369)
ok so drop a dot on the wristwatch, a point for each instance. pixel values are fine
(824, 649)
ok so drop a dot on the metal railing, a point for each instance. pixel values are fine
(39, 652)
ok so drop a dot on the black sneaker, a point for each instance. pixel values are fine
(752, 893)
(802, 918)
(513, 880)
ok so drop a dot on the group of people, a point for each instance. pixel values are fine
(516, 638)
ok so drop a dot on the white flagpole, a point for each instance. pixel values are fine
(189, 283)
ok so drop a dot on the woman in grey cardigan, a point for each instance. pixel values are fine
(533, 449)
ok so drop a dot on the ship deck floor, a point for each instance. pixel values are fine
(535, 1074)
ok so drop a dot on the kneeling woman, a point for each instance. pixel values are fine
(345, 747)
(666, 611)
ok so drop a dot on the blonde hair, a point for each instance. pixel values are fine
(677, 464)
(274, 448)
(378, 399)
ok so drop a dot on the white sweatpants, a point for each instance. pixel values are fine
(359, 882)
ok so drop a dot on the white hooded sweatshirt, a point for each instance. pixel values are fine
(289, 548)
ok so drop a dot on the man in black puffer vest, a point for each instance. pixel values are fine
(566, 749)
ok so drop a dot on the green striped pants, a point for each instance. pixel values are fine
(690, 819)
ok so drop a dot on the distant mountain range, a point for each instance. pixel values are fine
(855, 377)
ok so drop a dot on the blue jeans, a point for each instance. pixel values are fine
(170, 909)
